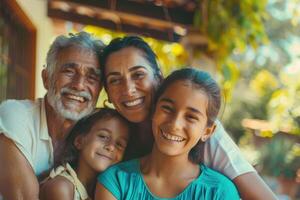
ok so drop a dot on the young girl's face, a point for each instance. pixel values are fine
(104, 145)
(180, 118)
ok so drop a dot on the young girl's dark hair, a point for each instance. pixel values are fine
(129, 41)
(70, 153)
(204, 82)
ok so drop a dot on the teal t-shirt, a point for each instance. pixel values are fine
(125, 181)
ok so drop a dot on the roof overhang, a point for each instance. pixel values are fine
(130, 16)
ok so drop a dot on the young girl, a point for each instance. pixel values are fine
(187, 105)
(95, 142)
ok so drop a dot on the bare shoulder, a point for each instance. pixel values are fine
(57, 188)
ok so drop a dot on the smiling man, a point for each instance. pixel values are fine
(32, 133)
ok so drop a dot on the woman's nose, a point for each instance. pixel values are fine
(129, 87)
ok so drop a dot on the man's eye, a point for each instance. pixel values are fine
(93, 78)
(68, 71)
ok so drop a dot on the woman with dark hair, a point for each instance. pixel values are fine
(180, 126)
(131, 76)
(94, 143)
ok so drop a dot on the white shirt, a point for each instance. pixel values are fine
(223, 155)
(24, 122)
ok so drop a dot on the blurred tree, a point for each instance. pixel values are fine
(268, 87)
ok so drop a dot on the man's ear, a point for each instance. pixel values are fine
(45, 77)
(208, 132)
(78, 142)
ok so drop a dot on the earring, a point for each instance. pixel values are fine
(203, 138)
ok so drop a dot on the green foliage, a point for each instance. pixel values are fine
(280, 157)
(231, 26)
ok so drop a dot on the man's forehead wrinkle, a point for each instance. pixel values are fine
(83, 68)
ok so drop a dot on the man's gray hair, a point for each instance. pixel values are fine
(81, 39)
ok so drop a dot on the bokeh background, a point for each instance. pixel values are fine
(251, 47)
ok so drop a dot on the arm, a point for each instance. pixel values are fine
(17, 178)
(102, 193)
(58, 188)
(252, 187)
(223, 155)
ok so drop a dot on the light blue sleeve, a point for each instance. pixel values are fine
(109, 179)
(14, 125)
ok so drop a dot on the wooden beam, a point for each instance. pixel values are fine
(147, 9)
(113, 20)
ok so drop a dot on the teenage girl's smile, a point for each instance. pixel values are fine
(178, 122)
(171, 137)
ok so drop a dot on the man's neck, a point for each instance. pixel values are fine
(58, 127)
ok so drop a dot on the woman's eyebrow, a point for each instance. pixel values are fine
(133, 68)
(113, 74)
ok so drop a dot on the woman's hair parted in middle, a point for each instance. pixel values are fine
(125, 42)
(70, 153)
(204, 82)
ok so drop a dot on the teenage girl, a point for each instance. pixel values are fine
(186, 107)
(95, 143)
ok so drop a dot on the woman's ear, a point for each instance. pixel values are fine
(208, 132)
(78, 142)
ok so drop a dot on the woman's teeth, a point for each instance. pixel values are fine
(134, 102)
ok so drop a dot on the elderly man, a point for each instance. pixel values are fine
(33, 132)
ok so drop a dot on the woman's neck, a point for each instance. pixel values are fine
(144, 135)
(144, 130)
(87, 177)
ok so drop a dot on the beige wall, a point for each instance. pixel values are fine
(36, 10)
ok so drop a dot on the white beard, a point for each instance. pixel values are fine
(54, 99)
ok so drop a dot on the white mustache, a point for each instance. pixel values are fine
(83, 94)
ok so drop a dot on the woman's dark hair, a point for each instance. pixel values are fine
(204, 82)
(129, 41)
(70, 153)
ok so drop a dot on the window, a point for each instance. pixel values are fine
(17, 53)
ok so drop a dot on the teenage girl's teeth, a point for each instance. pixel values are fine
(134, 102)
(172, 137)
(77, 98)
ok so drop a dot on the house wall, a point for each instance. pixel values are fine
(36, 10)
